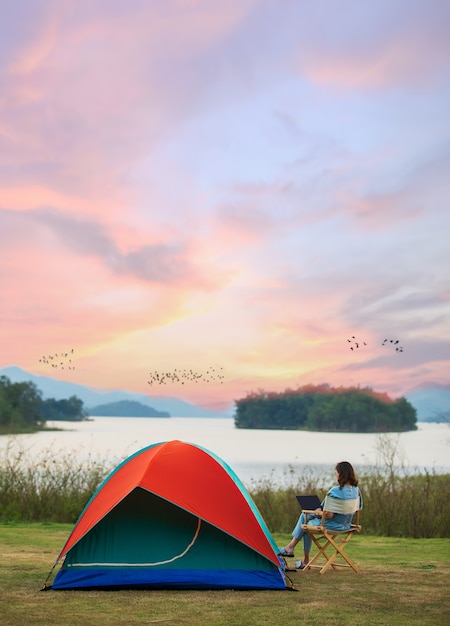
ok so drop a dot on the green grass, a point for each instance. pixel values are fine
(403, 581)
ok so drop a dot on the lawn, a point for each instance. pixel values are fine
(402, 581)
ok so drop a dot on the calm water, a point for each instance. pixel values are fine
(253, 454)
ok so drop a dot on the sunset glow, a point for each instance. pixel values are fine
(241, 184)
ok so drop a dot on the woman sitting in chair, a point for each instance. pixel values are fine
(347, 489)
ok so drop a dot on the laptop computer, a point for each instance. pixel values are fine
(309, 503)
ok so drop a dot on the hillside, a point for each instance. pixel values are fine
(126, 408)
(431, 401)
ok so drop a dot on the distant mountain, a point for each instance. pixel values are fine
(125, 408)
(58, 389)
(431, 401)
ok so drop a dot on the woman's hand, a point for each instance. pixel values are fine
(319, 511)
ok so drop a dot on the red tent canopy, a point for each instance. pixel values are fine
(190, 477)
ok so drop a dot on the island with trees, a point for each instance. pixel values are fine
(325, 408)
(22, 408)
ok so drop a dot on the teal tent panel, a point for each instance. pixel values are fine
(145, 530)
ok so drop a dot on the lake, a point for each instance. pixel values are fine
(252, 454)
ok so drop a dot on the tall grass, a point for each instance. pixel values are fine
(55, 487)
(397, 502)
(403, 504)
(394, 506)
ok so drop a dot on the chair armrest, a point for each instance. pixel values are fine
(356, 527)
(308, 511)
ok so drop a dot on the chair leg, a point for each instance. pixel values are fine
(325, 541)
(321, 551)
(339, 551)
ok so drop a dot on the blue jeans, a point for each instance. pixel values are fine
(338, 522)
(299, 533)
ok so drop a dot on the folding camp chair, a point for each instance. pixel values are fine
(331, 543)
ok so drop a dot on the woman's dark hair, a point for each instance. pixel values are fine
(346, 474)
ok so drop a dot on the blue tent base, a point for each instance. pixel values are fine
(143, 578)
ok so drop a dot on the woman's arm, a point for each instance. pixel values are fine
(328, 514)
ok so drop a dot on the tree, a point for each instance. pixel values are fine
(20, 405)
(23, 409)
(325, 408)
(71, 409)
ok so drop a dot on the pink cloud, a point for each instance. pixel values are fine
(91, 93)
(378, 211)
(390, 45)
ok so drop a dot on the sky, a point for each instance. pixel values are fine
(258, 188)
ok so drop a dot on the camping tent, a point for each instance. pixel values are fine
(173, 515)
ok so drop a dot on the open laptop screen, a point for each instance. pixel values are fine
(309, 503)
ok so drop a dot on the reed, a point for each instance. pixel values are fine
(54, 487)
(398, 502)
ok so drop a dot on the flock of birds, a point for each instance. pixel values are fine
(186, 375)
(63, 360)
(355, 344)
(394, 343)
(60, 360)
